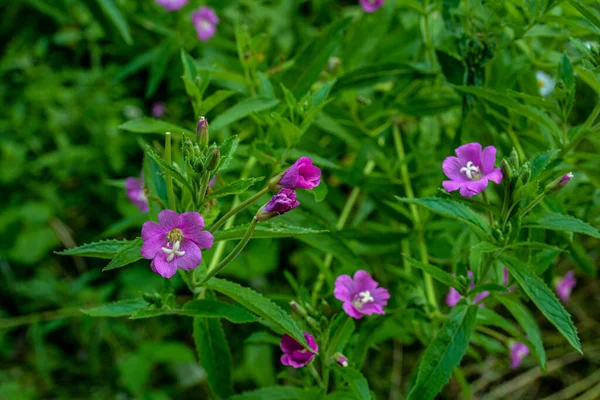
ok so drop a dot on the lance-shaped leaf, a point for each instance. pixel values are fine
(128, 254)
(561, 222)
(103, 249)
(214, 355)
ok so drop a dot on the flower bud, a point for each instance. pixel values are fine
(298, 308)
(214, 159)
(202, 132)
(514, 158)
(525, 176)
(559, 183)
(281, 203)
(506, 170)
(341, 359)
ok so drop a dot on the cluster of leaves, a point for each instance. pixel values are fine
(377, 101)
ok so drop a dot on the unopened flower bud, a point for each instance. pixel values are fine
(281, 203)
(514, 158)
(214, 159)
(341, 359)
(202, 132)
(506, 170)
(298, 308)
(559, 183)
(525, 176)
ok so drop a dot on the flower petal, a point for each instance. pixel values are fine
(495, 176)
(488, 159)
(453, 297)
(192, 257)
(451, 167)
(351, 311)
(169, 220)
(451, 186)
(470, 189)
(152, 246)
(344, 288)
(310, 339)
(161, 266)
(363, 281)
(288, 344)
(469, 152)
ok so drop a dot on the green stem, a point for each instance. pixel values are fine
(516, 143)
(534, 203)
(315, 374)
(339, 226)
(592, 117)
(169, 161)
(238, 208)
(416, 217)
(490, 214)
(234, 253)
(203, 188)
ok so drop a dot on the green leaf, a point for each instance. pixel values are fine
(128, 254)
(227, 149)
(291, 133)
(259, 305)
(527, 322)
(151, 125)
(123, 308)
(114, 14)
(588, 13)
(541, 161)
(356, 382)
(169, 170)
(216, 309)
(242, 110)
(451, 209)
(436, 273)
(527, 190)
(310, 61)
(565, 72)
(544, 299)
(445, 352)
(266, 232)
(214, 355)
(370, 74)
(503, 100)
(488, 317)
(561, 222)
(158, 67)
(215, 99)
(236, 187)
(103, 249)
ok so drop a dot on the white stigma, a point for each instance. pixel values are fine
(362, 298)
(471, 171)
(344, 363)
(174, 251)
(205, 25)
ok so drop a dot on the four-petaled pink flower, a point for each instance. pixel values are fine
(361, 294)
(134, 187)
(172, 5)
(205, 20)
(471, 170)
(518, 351)
(371, 5)
(565, 285)
(294, 354)
(281, 203)
(453, 296)
(301, 175)
(175, 241)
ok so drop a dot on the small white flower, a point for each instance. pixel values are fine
(545, 83)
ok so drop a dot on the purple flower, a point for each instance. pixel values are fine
(453, 297)
(371, 5)
(158, 109)
(471, 170)
(294, 354)
(175, 241)
(360, 294)
(518, 351)
(212, 182)
(134, 187)
(301, 175)
(341, 359)
(281, 203)
(205, 20)
(172, 5)
(506, 277)
(566, 178)
(565, 285)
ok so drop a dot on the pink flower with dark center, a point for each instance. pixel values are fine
(301, 175)
(565, 285)
(205, 21)
(361, 294)
(172, 5)
(175, 241)
(158, 109)
(294, 354)
(518, 351)
(453, 296)
(281, 203)
(471, 170)
(371, 5)
(134, 187)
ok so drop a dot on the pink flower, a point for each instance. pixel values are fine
(281, 203)
(453, 297)
(341, 359)
(371, 5)
(301, 175)
(205, 20)
(518, 351)
(361, 294)
(158, 109)
(172, 5)
(471, 170)
(175, 241)
(294, 354)
(566, 178)
(565, 285)
(134, 187)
